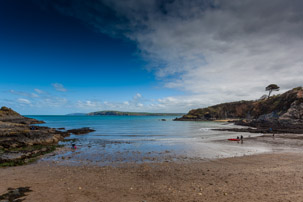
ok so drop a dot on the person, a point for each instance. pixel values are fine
(238, 138)
(74, 146)
(271, 131)
(241, 139)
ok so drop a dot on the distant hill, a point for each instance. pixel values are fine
(118, 113)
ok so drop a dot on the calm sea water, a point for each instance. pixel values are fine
(139, 138)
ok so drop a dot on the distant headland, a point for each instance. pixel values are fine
(120, 113)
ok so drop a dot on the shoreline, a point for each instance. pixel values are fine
(274, 176)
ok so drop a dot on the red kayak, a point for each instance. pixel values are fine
(234, 139)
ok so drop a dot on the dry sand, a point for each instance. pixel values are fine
(265, 177)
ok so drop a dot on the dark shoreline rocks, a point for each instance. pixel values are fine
(80, 131)
(269, 126)
(21, 142)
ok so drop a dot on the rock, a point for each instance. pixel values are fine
(14, 194)
(80, 131)
(9, 115)
(294, 114)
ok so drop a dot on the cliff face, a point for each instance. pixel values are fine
(285, 107)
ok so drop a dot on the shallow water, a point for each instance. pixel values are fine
(147, 138)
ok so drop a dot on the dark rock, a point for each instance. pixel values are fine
(20, 141)
(80, 131)
(15, 194)
(269, 126)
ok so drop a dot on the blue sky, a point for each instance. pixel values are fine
(65, 56)
(40, 48)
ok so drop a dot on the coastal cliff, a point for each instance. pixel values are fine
(286, 108)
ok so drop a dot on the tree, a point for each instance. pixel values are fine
(272, 87)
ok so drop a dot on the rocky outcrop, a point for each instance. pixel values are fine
(9, 115)
(285, 107)
(14, 135)
(80, 131)
(294, 114)
(283, 113)
(20, 140)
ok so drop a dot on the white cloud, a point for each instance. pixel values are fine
(24, 101)
(137, 96)
(59, 87)
(228, 53)
(140, 105)
(214, 51)
(39, 91)
(32, 95)
(134, 104)
(53, 102)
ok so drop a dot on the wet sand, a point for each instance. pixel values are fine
(276, 176)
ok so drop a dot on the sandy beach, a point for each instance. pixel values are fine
(276, 176)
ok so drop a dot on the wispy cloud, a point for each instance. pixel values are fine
(59, 87)
(39, 91)
(212, 50)
(24, 101)
(25, 94)
(215, 50)
(137, 103)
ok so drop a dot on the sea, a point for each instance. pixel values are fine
(147, 138)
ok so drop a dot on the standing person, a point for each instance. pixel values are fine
(271, 131)
(241, 139)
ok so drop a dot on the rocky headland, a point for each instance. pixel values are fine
(22, 142)
(282, 113)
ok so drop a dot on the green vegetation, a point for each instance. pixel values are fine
(272, 87)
